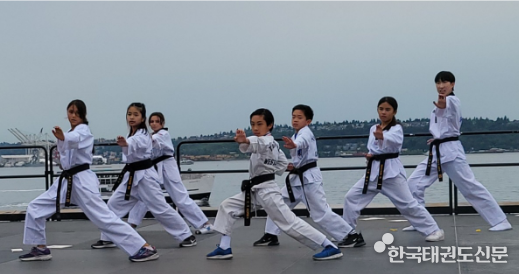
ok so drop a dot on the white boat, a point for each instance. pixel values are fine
(186, 162)
(199, 186)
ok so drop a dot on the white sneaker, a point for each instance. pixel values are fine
(206, 229)
(409, 228)
(436, 236)
(502, 226)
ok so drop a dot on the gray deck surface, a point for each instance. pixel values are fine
(289, 257)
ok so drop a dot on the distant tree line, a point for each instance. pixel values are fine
(412, 145)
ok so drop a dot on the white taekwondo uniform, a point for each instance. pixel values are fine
(267, 158)
(169, 175)
(76, 150)
(146, 188)
(312, 195)
(394, 185)
(445, 123)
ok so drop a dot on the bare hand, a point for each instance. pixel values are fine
(58, 133)
(442, 102)
(121, 141)
(368, 156)
(430, 141)
(240, 136)
(378, 133)
(289, 143)
(290, 166)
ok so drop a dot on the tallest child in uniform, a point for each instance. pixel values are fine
(140, 181)
(449, 156)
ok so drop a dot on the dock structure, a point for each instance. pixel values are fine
(467, 234)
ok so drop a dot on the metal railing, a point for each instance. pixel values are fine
(452, 208)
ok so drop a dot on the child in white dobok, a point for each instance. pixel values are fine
(164, 160)
(266, 160)
(305, 182)
(448, 156)
(385, 174)
(80, 186)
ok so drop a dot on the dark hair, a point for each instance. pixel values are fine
(267, 115)
(161, 119)
(158, 114)
(393, 103)
(307, 111)
(81, 109)
(445, 76)
(142, 110)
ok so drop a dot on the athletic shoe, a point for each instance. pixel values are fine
(409, 228)
(36, 254)
(504, 225)
(352, 240)
(188, 242)
(267, 240)
(103, 244)
(436, 236)
(328, 253)
(220, 254)
(145, 254)
(206, 229)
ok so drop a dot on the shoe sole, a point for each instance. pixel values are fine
(333, 257)
(150, 258)
(202, 232)
(353, 245)
(104, 246)
(408, 229)
(508, 228)
(220, 257)
(267, 244)
(187, 245)
(435, 240)
(38, 258)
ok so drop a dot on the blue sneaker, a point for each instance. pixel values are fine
(220, 254)
(328, 253)
(145, 254)
(36, 254)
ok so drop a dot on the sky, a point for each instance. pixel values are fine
(208, 65)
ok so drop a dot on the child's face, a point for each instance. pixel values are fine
(444, 87)
(134, 117)
(155, 123)
(299, 120)
(259, 126)
(73, 116)
(385, 112)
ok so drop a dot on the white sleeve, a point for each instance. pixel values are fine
(394, 137)
(79, 138)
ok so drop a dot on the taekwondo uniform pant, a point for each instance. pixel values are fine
(85, 194)
(462, 176)
(272, 202)
(149, 192)
(179, 195)
(397, 191)
(320, 211)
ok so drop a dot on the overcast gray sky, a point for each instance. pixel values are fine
(208, 65)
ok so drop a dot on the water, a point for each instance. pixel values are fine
(15, 194)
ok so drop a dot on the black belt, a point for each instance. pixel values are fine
(131, 167)
(437, 143)
(299, 172)
(160, 159)
(246, 185)
(69, 174)
(377, 157)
